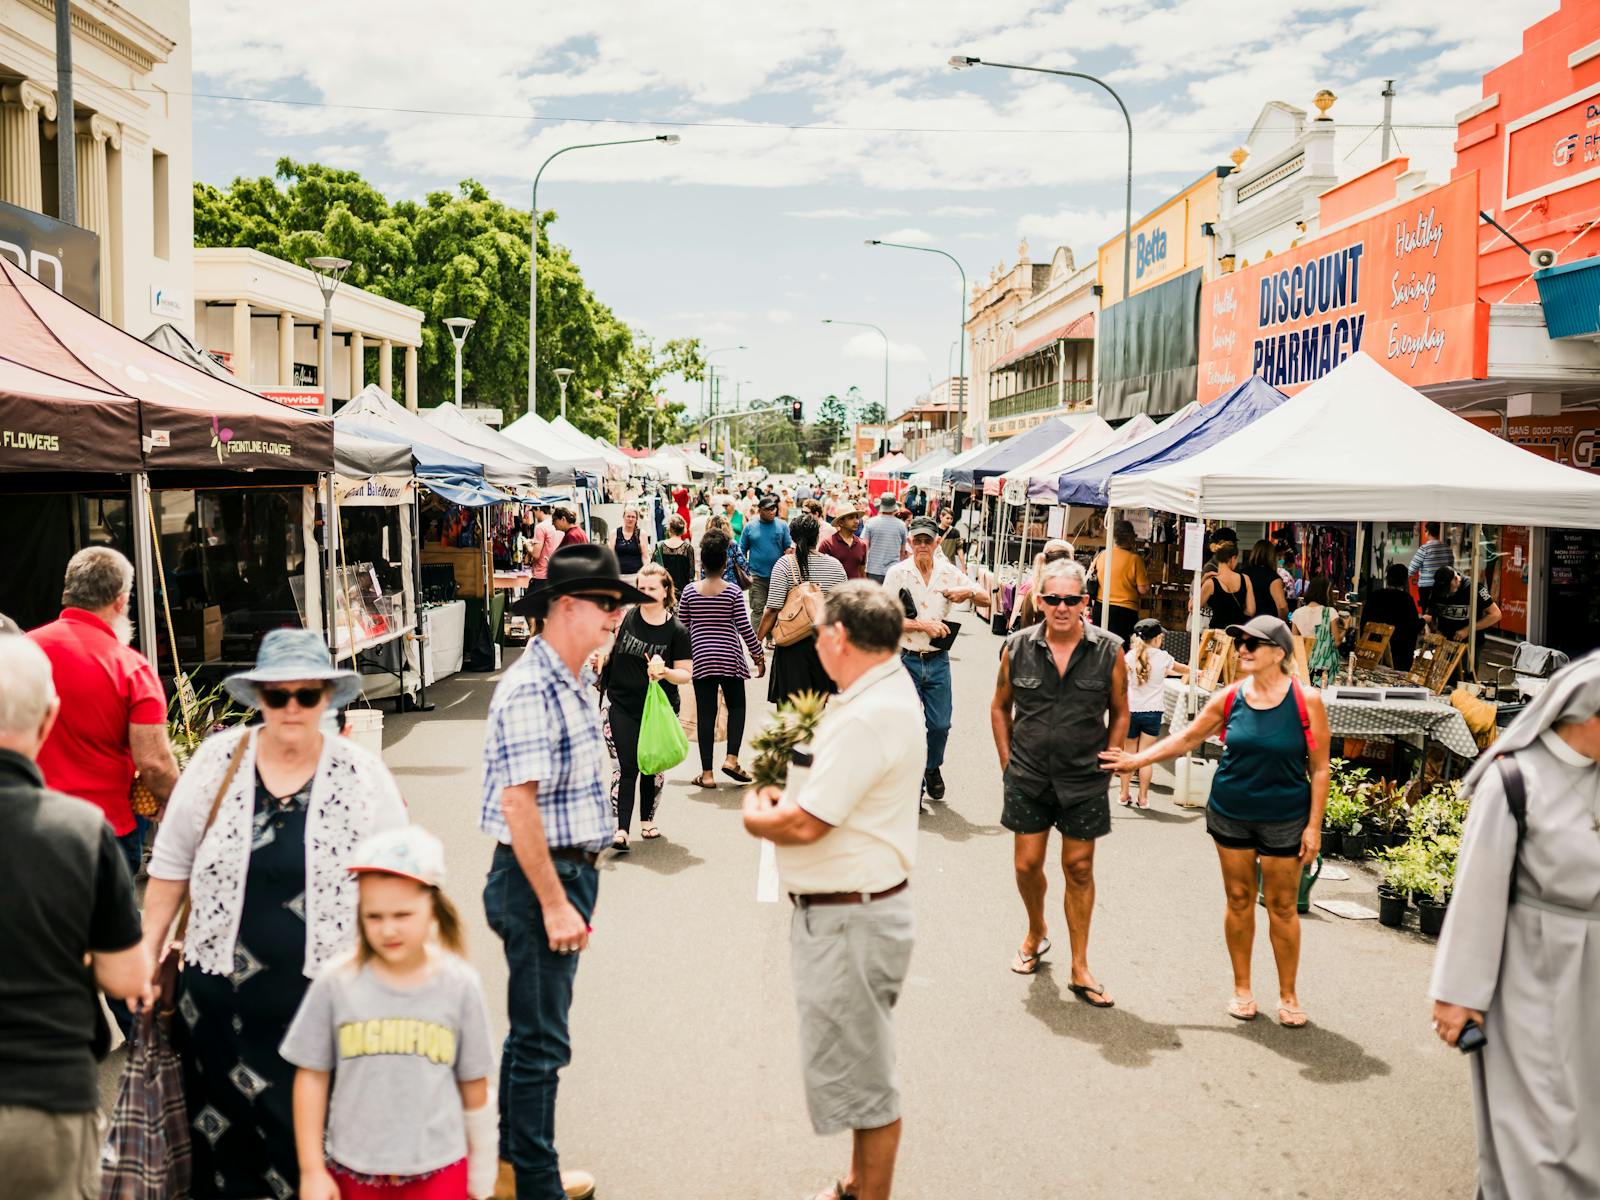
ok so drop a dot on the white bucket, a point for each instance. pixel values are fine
(365, 728)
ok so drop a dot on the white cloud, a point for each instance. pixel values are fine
(961, 211)
(910, 235)
(1079, 228)
(866, 346)
(779, 316)
(846, 214)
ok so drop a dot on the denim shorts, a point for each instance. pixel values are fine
(1274, 839)
(1144, 722)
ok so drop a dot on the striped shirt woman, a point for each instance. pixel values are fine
(719, 634)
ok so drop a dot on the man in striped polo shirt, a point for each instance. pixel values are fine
(1425, 563)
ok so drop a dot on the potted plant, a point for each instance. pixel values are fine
(1437, 882)
(1342, 812)
(1404, 870)
(1386, 802)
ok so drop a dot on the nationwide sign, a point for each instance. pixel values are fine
(1401, 285)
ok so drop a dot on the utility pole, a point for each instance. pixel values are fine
(66, 125)
(1388, 117)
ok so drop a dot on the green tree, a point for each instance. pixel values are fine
(833, 418)
(457, 254)
(872, 413)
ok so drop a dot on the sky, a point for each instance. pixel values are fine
(809, 126)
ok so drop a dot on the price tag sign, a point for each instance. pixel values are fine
(1194, 541)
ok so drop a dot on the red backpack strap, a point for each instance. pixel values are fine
(1228, 697)
(1305, 714)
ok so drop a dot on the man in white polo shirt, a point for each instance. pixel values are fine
(930, 583)
(846, 830)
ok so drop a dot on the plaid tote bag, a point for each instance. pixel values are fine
(146, 1152)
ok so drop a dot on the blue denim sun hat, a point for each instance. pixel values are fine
(287, 655)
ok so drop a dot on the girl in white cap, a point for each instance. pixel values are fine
(401, 1027)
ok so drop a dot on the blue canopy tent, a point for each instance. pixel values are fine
(449, 475)
(1012, 452)
(1090, 484)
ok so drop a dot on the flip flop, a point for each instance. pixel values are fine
(1291, 1018)
(1141, 804)
(1242, 1010)
(1124, 801)
(738, 773)
(700, 780)
(834, 1191)
(1027, 964)
(1095, 995)
(649, 832)
(619, 842)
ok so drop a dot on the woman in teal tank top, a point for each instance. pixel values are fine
(1267, 798)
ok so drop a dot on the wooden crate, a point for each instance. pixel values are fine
(468, 565)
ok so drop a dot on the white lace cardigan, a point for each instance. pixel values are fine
(352, 795)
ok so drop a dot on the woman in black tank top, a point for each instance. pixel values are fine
(629, 543)
(1227, 592)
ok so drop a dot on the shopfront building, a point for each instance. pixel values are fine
(1050, 369)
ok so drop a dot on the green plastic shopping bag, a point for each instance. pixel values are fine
(662, 742)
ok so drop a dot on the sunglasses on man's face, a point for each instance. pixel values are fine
(604, 601)
(280, 697)
(1251, 644)
(1051, 601)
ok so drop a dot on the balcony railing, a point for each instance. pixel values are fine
(1045, 396)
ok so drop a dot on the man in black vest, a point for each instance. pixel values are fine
(1060, 699)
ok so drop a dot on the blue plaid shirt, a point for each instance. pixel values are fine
(544, 728)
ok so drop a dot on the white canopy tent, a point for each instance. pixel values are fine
(933, 477)
(537, 433)
(376, 405)
(616, 459)
(694, 462)
(1360, 445)
(473, 432)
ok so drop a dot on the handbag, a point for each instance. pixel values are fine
(662, 741)
(796, 620)
(147, 1155)
(741, 576)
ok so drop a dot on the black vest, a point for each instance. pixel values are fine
(1058, 725)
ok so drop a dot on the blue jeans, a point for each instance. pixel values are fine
(932, 677)
(538, 995)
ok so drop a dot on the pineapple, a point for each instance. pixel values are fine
(794, 724)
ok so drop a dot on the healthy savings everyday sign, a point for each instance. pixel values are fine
(1401, 285)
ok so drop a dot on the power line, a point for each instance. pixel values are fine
(679, 124)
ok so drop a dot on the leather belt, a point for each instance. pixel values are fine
(809, 899)
(925, 653)
(575, 854)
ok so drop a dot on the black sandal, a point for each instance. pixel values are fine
(739, 774)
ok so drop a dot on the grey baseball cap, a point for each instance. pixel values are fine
(1268, 629)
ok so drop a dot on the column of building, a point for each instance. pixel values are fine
(411, 378)
(93, 134)
(21, 175)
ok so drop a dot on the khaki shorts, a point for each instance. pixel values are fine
(49, 1156)
(849, 962)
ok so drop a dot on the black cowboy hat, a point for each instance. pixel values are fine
(584, 567)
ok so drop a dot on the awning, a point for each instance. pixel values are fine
(374, 406)
(1081, 329)
(50, 424)
(187, 419)
(999, 457)
(473, 432)
(457, 479)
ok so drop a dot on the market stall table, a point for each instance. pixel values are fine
(1429, 719)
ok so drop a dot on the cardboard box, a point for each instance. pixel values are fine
(199, 634)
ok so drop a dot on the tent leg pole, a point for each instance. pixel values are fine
(1184, 782)
(1105, 582)
(1361, 559)
(330, 545)
(1472, 605)
(143, 568)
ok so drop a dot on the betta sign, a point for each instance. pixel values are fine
(1401, 285)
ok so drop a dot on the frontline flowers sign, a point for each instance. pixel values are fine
(1401, 285)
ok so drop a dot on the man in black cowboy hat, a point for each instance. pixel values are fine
(545, 802)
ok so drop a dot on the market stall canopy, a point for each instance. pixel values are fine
(457, 479)
(943, 474)
(50, 424)
(368, 472)
(670, 468)
(537, 433)
(1175, 441)
(928, 465)
(1092, 443)
(617, 461)
(697, 463)
(187, 418)
(890, 466)
(169, 339)
(1000, 456)
(373, 405)
(1361, 445)
(548, 471)
(1093, 432)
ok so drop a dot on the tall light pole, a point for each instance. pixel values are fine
(329, 271)
(459, 327)
(666, 139)
(650, 417)
(961, 404)
(619, 396)
(885, 337)
(562, 375)
(960, 61)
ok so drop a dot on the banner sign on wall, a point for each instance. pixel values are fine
(63, 257)
(1401, 285)
(1555, 148)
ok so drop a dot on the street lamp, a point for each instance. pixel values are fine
(619, 396)
(459, 327)
(650, 418)
(961, 61)
(562, 375)
(666, 139)
(329, 271)
(885, 337)
(961, 404)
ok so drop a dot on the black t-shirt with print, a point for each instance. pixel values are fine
(1450, 612)
(627, 670)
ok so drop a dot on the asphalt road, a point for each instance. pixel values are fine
(685, 1079)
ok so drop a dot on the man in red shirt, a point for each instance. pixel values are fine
(113, 713)
(845, 546)
(566, 522)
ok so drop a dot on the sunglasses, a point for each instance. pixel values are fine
(1251, 644)
(1069, 601)
(605, 602)
(279, 697)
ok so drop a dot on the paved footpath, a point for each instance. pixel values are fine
(685, 1081)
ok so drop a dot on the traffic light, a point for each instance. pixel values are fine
(704, 446)
(795, 413)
